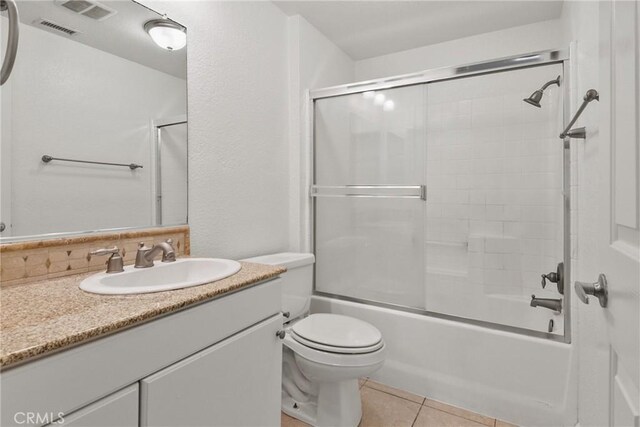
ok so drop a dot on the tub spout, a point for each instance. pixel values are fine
(550, 303)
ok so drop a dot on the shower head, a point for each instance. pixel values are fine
(536, 96)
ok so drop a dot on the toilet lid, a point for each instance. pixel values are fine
(334, 330)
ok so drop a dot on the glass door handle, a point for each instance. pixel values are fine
(379, 191)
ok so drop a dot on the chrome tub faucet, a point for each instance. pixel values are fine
(550, 303)
(145, 254)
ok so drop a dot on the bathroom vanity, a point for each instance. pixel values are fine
(208, 355)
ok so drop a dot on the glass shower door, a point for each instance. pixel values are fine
(369, 195)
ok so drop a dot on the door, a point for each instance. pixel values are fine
(369, 195)
(233, 383)
(170, 184)
(609, 351)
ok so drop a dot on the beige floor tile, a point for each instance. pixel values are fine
(431, 417)
(482, 419)
(287, 421)
(396, 392)
(500, 423)
(381, 409)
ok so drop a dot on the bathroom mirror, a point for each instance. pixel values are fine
(94, 121)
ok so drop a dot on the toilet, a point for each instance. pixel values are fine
(323, 354)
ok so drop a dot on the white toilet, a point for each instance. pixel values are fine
(323, 354)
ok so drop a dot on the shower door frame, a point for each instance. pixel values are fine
(511, 63)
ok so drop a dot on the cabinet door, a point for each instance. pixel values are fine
(119, 409)
(233, 383)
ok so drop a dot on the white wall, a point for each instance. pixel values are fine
(497, 44)
(580, 21)
(314, 62)
(64, 108)
(238, 126)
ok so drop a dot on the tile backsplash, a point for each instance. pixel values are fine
(24, 262)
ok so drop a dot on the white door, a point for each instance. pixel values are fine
(613, 356)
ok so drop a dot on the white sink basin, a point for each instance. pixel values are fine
(163, 276)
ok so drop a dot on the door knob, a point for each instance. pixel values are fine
(556, 277)
(598, 289)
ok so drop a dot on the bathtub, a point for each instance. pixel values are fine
(524, 380)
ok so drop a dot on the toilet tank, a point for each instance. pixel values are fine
(297, 282)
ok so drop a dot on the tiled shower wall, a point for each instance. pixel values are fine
(494, 185)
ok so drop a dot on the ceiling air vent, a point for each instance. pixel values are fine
(90, 9)
(53, 27)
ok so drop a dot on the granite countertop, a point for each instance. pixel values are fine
(43, 317)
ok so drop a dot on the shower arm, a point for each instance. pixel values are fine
(591, 95)
(550, 82)
(12, 39)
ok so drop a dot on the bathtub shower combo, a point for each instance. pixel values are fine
(440, 214)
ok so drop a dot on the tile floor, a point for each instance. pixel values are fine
(384, 406)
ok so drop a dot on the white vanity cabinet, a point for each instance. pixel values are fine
(223, 385)
(217, 363)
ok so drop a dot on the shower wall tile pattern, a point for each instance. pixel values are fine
(494, 188)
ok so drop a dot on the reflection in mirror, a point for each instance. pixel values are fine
(90, 84)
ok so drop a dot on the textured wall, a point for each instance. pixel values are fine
(580, 24)
(497, 44)
(314, 62)
(238, 126)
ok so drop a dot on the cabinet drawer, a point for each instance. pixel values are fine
(119, 409)
(233, 383)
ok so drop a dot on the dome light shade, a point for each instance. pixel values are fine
(166, 34)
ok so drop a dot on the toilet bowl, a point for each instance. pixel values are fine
(323, 354)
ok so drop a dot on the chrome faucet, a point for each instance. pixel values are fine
(115, 263)
(550, 303)
(145, 254)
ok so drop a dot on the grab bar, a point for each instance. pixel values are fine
(591, 95)
(379, 191)
(12, 39)
(133, 166)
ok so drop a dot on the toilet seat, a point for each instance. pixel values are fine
(333, 358)
(334, 332)
(332, 349)
(336, 340)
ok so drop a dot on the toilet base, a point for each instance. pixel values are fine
(338, 404)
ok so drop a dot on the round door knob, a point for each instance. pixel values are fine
(280, 334)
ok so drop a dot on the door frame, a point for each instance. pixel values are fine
(156, 163)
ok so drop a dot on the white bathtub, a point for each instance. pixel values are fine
(524, 380)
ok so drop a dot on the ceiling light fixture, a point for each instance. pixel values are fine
(379, 99)
(166, 33)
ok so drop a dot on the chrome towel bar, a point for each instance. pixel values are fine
(133, 166)
(375, 191)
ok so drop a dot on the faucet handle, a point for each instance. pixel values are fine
(115, 263)
(105, 251)
(555, 277)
